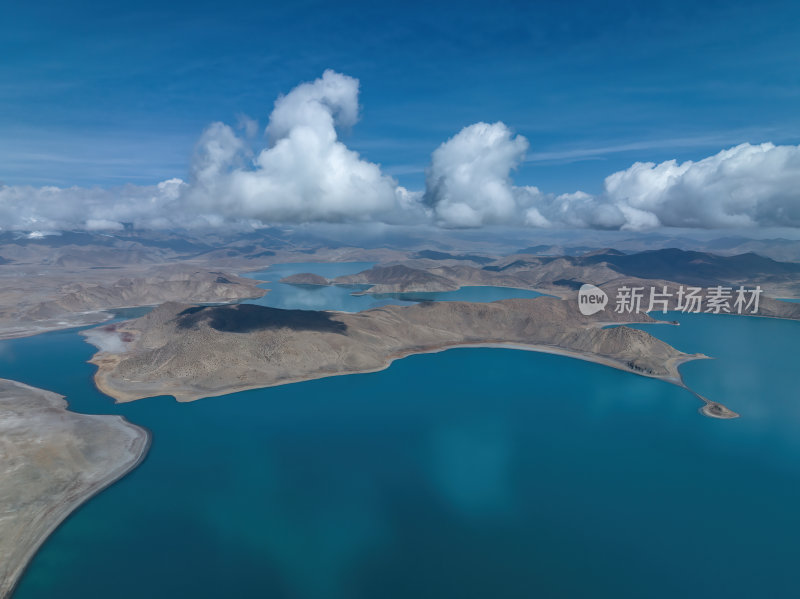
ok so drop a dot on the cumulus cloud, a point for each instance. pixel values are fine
(577, 210)
(29, 208)
(248, 125)
(469, 185)
(744, 186)
(307, 174)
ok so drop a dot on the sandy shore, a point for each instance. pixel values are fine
(52, 461)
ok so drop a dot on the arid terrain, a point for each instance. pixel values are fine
(192, 352)
(562, 275)
(199, 341)
(62, 298)
(51, 461)
(71, 279)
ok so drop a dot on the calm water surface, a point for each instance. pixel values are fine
(484, 473)
(312, 297)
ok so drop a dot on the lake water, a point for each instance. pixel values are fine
(472, 473)
(312, 297)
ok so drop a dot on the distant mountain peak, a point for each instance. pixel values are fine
(603, 252)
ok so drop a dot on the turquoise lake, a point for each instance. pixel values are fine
(472, 473)
(312, 297)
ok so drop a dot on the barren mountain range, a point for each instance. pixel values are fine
(57, 281)
(562, 275)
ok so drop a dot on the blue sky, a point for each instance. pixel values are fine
(103, 93)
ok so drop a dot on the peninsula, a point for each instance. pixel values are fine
(51, 461)
(192, 352)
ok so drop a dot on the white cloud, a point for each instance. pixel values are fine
(53, 208)
(568, 210)
(468, 183)
(248, 125)
(217, 151)
(318, 105)
(308, 175)
(744, 186)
